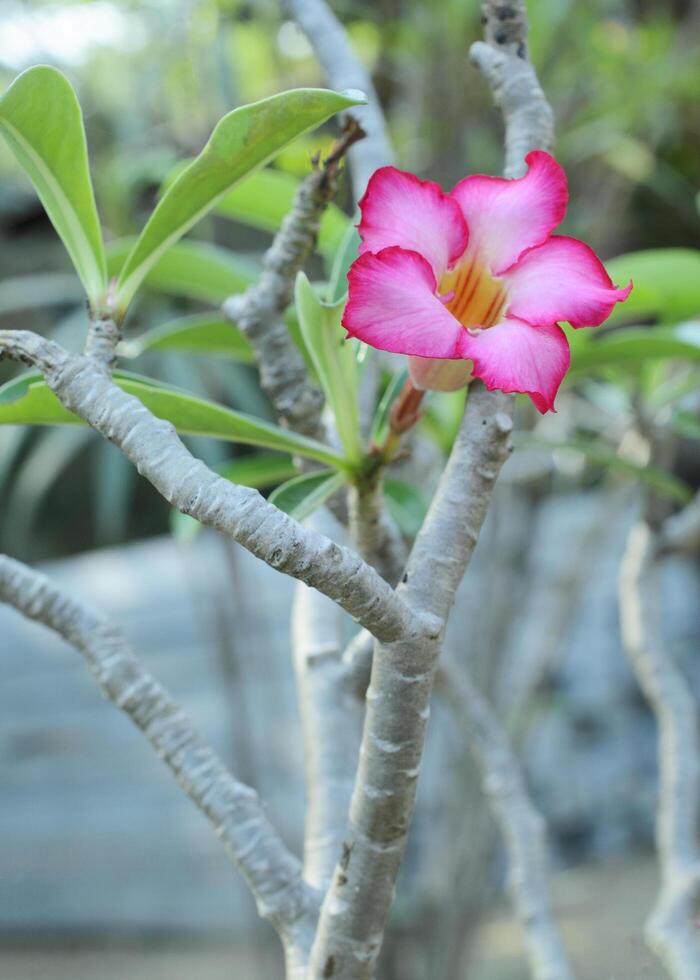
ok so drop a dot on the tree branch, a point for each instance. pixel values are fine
(377, 538)
(258, 312)
(344, 70)
(671, 929)
(502, 59)
(356, 906)
(187, 483)
(234, 809)
(521, 825)
(331, 724)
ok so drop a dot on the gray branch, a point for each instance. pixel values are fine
(356, 906)
(671, 929)
(377, 538)
(234, 809)
(259, 311)
(154, 447)
(344, 70)
(521, 825)
(331, 724)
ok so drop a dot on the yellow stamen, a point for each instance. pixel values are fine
(479, 298)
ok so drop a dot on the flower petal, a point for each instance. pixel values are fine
(515, 356)
(505, 217)
(392, 305)
(399, 209)
(562, 280)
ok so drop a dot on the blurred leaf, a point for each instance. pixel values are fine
(334, 360)
(344, 258)
(686, 424)
(380, 422)
(202, 333)
(603, 455)
(113, 479)
(630, 348)
(38, 291)
(28, 401)
(265, 198)
(666, 284)
(242, 141)
(302, 495)
(258, 470)
(406, 506)
(41, 120)
(192, 269)
(48, 460)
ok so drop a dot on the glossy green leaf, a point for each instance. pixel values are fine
(191, 269)
(242, 141)
(604, 455)
(202, 333)
(666, 285)
(28, 401)
(406, 506)
(334, 360)
(302, 495)
(41, 120)
(630, 348)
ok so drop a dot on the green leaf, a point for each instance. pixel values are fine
(334, 360)
(666, 285)
(607, 456)
(202, 333)
(686, 424)
(242, 141)
(380, 422)
(41, 120)
(192, 269)
(258, 470)
(28, 401)
(406, 505)
(264, 198)
(344, 258)
(628, 348)
(304, 494)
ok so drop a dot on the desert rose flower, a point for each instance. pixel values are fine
(474, 283)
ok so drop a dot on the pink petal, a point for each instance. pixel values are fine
(392, 305)
(562, 280)
(515, 356)
(399, 209)
(505, 217)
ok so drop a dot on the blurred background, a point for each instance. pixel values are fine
(104, 871)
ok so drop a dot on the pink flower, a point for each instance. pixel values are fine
(473, 283)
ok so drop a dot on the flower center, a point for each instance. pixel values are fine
(472, 295)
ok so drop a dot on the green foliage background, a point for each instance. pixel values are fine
(623, 79)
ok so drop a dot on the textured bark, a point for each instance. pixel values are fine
(331, 725)
(187, 483)
(376, 536)
(671, 929)
(356, 906)
(234, 809)
(344, 70)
